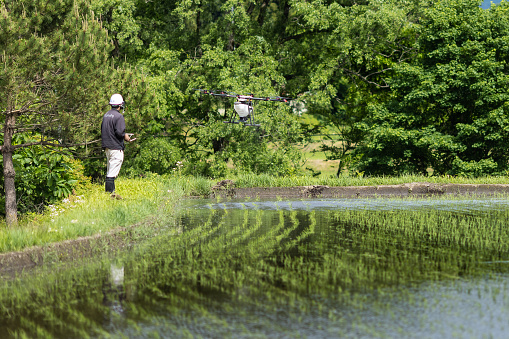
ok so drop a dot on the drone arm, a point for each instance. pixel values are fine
(218, 93)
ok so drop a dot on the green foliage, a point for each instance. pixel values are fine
(154, 155)
(260, 158)
(190, 44)
(350, 50)
(449, 110)
(209, 167)
(118, 18)
(59, 48)
(44, 175)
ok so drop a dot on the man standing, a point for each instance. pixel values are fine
(113, 136)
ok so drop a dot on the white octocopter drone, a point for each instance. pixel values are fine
(243, 106)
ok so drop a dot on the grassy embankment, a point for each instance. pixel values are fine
(148, 201)
(151, 201)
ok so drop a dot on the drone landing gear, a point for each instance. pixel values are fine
(241, 122)
(246, 121)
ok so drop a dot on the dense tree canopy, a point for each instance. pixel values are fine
(449, 106)
(352, 51)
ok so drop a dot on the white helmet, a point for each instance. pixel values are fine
(116, 100)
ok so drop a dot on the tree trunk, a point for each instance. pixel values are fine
(219, 144)
(11, 208)
(263, 12)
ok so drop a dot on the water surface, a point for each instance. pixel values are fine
(350, 268)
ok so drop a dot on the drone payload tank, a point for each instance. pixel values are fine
(243, 109)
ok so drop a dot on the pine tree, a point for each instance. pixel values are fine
(54, 78)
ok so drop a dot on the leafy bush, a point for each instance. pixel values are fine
(473, 168)
(215, 166)
(155, 155)
(277, 162)
(44, 176)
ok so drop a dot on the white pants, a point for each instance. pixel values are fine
(115, 159)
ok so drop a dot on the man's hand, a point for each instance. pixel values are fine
(128, 137)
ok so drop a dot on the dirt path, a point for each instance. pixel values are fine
(79, 249)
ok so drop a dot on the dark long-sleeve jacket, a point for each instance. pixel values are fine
(113, 130)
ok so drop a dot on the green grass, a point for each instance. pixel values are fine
(265, 180)
(314, 160)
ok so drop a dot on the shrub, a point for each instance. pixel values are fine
(155, 155)
(43, 176)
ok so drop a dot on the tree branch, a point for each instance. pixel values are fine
(25, 108)
(30, 127)
(51, 144)
(300, 35)
(365, 78)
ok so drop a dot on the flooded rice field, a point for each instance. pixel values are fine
(349, 268)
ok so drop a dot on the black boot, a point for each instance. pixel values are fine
(110, 185)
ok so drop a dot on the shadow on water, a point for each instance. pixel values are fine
(351, 268)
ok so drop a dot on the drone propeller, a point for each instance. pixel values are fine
(217, 93)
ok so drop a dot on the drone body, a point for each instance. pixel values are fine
(243, 107)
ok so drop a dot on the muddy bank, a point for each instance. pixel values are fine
(86, 247)
(76, 250)
(228, 190)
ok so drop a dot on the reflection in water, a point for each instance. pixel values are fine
(336, 268)
(116, 289)
(117, 275)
